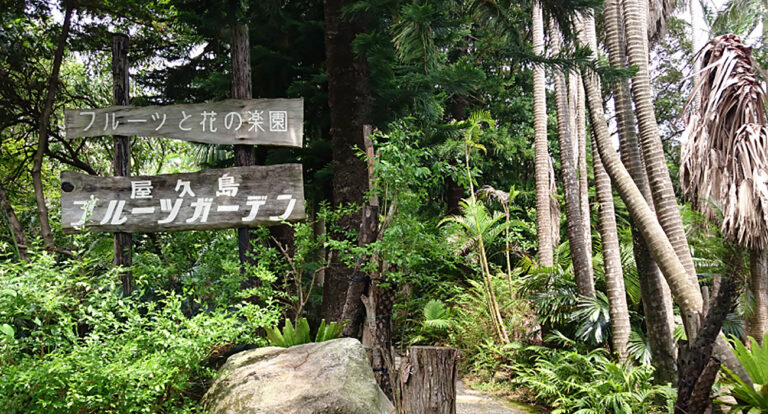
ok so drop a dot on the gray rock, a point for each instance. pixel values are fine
(332, 377)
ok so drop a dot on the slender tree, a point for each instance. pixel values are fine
(686, 294)
(541, 148)
(580, 255)
(657, 300)
(44, 126)
(634, 12)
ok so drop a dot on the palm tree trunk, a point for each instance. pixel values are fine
(687, 295)
(657, 300)
(650, 142)
(579, 253)
(614, 277)
(541, 148)
(576, 92)
(758, 285)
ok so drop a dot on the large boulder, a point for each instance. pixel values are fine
(318, 378)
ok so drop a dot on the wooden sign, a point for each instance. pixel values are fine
(233, 121)
(205, 200)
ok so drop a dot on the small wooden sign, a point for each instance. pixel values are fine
(233, 121)
(205, 200)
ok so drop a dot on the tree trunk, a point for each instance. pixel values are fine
(17, 231)
(650, 142)
(758, 285)
(581, 257)
(240, 59)
(43, 129)
(121, 162)
(685, 293)
(349, 101)
(428, 380)
(657, 300)
(541, 146)
(614, 276)
(582, 163)
(698, 365)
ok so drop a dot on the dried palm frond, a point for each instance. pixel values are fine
(658, 13)
(724, 160)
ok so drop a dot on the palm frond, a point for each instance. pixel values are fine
(724, 158)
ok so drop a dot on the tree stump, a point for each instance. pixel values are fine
(427, 381)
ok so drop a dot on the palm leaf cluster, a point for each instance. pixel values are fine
(724, 161)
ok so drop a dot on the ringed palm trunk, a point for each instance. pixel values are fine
(653, 153)
(758, 284)
(685, 293)
(657, 300)
(579, 253)
(579, 138)
(541, 149)
(614, 277)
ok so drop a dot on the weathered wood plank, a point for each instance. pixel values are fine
(205, 200)
(233, 121)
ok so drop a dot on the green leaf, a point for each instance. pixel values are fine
(7, 330)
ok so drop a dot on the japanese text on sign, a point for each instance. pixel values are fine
(234, 197)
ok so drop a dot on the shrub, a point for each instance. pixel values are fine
(71, 342)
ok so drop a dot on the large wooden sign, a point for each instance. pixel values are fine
(205, 200)
(233, 121)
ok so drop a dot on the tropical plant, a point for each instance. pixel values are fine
(571, 382)
(436, 324)
(299, 335)
(754, 398)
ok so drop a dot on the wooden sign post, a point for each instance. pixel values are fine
(205, 200)
(121, 161)
(240, 197)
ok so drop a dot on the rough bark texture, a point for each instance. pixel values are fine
(349, 100)
(121, 161)
(427, 380)
(657, 300)
(43, 129)
(369, 231)
(698, 365)
(244, 155)
(353, 307)
(581, 257)
(14, 225)
(541, 147)
(653, 153)
(758, 285)
(614, 276)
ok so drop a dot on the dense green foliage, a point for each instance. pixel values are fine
(451, 85)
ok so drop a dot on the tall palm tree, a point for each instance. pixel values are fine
(653, 153)
(580, 254)
(742, 17)
(724, 159)
(724, 162)
(614, 277)
(657, 300)
(541, 149)
(686, 294)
